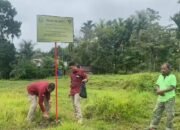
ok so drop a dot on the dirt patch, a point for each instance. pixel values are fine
(51, 122)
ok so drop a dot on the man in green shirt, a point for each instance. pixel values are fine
(165, 89)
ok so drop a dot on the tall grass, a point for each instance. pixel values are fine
(118, 106)
(115, 102)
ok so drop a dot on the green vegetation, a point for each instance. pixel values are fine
(120, 46)
(135, 44)
(115, 102)
(138, 43)
(9, 29)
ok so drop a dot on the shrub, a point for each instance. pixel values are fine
(25, 69)
(142, 81)
(128, 107)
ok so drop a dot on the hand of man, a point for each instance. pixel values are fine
(160, 92)
(84, 80)
(45, 115)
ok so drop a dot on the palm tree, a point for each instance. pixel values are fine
(176, 19)
(87, 30)
(26, 49)
(144, 18)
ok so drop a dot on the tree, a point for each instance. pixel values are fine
(176, 54)
(138, 43)
(23, 67)
(144, 39)
(8, 26)
(87, 30)
(143, 18)
(176, 19)
(7, 56)
(112, 37)
(26, 49)
(26, 66)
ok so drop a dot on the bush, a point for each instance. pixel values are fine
(25, 69)
(7, 57)
(128, 107)
(48, 66)
(142, 81)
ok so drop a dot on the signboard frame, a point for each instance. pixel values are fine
(55, 29)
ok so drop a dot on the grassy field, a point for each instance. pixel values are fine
(115, 102)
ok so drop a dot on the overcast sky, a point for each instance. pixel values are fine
(83, 10)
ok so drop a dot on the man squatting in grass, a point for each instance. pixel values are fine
(165, 88)
(78, 76)
(41, 90)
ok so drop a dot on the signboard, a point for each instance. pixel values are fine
(54, 29)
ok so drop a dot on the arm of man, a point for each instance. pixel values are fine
(85, 77)
(159, 92)
(41, 99)
(157, 87)
(162, 92)
(169, 89)
(172, 85)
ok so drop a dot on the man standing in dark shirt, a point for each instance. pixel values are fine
(78, 76)
(41, 90)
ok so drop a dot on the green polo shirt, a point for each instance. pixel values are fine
(164, 83)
